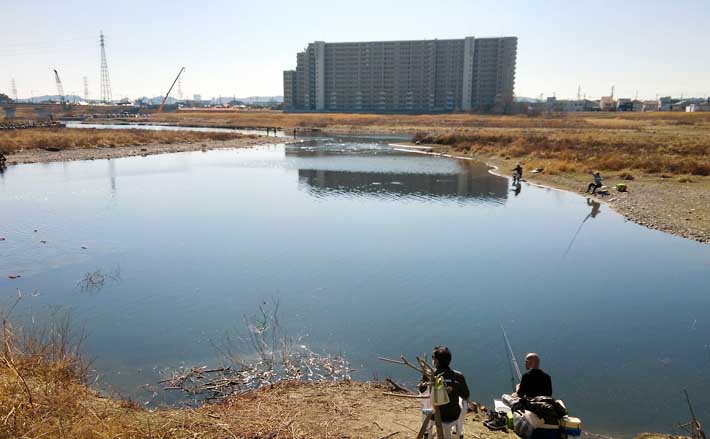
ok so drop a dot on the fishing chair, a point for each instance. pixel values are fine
(427, 409)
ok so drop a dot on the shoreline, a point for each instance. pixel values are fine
(103, 153)
(655, 202)
(650, 202)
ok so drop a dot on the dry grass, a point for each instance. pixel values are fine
(28, 111)
(677, 152)
(676, 143)
(43, 393)
(412, 123)
(61, 139)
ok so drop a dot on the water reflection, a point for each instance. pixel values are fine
(596, 208)
(401, 177)
(112, 176)
(322, 182)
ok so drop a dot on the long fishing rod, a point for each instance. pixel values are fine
(512, 362)
(697, 431)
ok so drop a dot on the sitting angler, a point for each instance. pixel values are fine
(534, 382)
(517, 173)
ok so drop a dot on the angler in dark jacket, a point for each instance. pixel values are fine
(535, 382)
(455, 384)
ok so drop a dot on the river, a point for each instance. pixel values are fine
(370, 252)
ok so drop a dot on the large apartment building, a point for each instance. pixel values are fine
(421, 76)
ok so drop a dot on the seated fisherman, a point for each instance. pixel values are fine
(596, 184)
(517, 173)
(455, 384)
(535, 382)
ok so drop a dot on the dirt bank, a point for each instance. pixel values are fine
(285, 410)
(98, 153)
(47, 404)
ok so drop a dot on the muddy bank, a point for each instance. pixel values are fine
(99, 153)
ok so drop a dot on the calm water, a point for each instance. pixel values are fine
(371, 252)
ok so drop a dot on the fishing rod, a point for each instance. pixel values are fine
(512, 362)
(697, 429)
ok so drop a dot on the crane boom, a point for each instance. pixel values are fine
(162, 104)
(60, 89)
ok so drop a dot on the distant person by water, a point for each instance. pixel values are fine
(596, 184)
(517, 173)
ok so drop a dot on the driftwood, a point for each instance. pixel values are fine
(276, 357)
(397, 387)
(405, 395)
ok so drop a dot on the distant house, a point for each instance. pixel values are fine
(650, 105)
(679, 105)
(569, 105)
(607, 103)
(665, 102)
(702, 106)
(624, 104)
(637, 105)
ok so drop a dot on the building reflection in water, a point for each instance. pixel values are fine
(473, 181)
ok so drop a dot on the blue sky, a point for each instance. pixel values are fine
(241, 48)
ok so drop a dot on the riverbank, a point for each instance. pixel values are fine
(52, 402)
(44, 393)
(110, 144)
(658, 202)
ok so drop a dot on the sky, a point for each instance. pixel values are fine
(238, 48)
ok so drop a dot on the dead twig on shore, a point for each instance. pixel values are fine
(397, 387)
(278, 358)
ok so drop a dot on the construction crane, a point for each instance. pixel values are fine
(162, 104)
(60, 89)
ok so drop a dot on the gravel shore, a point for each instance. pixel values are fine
(665, 204)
